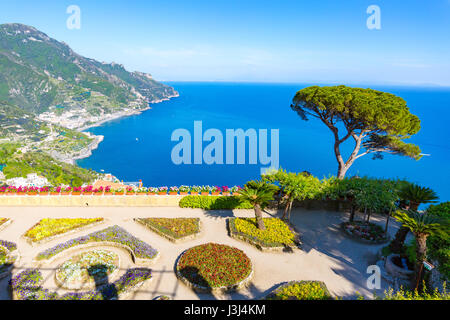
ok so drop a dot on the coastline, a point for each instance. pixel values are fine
(87, 152)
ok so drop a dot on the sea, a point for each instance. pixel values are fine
(141, 147)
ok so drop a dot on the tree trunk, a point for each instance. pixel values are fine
(397, 244)
(421, 252)
(284, 217)
(352, 213)
(387, 221)
(259, 219)
(290, 209)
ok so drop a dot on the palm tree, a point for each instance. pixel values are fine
(414, 195)
(258, 194)
(422, 225)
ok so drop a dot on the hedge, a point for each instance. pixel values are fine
(214, 202)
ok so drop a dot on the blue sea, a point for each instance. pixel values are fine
(139, 147)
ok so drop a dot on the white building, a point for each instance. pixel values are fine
(32, 180)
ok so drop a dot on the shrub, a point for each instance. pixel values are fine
(415, 295)
(301, 290)
(214, 202)
(439, 247)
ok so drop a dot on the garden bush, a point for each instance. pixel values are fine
(214, 202)
(439, 247)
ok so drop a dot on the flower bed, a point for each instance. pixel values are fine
(277, 236)
(212, 267)
(113, 235)
(4, 222)
(87, 270)
(365, 232)
(27, 286)
(48, 228)
(301, 290)
(214, 203)
(174, 229)
(7, 256)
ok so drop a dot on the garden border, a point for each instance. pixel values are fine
(168, 237)
(60, 235)
(260, 245)
(224, 289)
(4, 225)
(7, 271)
(285, 284)
(360, 240)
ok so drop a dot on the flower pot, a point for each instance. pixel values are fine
(2, 193)
(32, 193)
(173, 193)
(76, 193)
(87, 193)
(151, 193)
(204, 193)
(20, 193)
(65, 193)
(215, 193)
(54, 193)
(130, 193)
(98, 193)
(183, 193)
(108, 193)
(162, 193)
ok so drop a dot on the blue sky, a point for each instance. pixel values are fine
(261, 41)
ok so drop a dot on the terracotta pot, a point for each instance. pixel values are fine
(215, 193)
(20, 193)
(54, 193)
(183, 193)
(32, 193)
(65, 193)
(98, 193)
(2, 193)
(76, 193)
(108, 193)
(87, 194)
(173, 193)
(162, 193)
(204, 193)
(151, 193)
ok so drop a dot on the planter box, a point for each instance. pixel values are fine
(76, 193)
(184, 193)
(173, 193)
(162, 193)
(54, 193)
(204, 193)
(151, 193)
(397, 271)
(65, 193)
(108, 193)
(215, 193)
(87, 194)
(32, 193)
(98, 193)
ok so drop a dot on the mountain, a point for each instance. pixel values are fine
(40, 74)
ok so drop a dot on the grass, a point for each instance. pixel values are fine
(277, 233)
(173, 228)
(47, 228)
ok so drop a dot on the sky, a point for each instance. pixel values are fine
(325, 41)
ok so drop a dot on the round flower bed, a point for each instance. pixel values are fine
(87, 270)
(214, 267)
(8, 255)
(365, 232)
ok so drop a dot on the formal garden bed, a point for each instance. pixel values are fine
(214, 202)
(87, 270)
(278, 236)
(4, 222)
(214, 268)
(173, 229)
(8, 256)
(141, 252)
(48, 229)
(27, 286)
(365, 232)
(300, 290)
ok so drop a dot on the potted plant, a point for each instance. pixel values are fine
(11, 190)
(55, 191)
(215, 191)
(162, 191)
(119, 192)
(235, 189)
(21, 191)
(66, 191)
(44, 191)
(173, 191)
(108, 191)
(225, 190)
(98, 192)
(152, 191)
(195, 190)
(87, 191)
(141, 191)
(204, 190)
(184, 190)
(32, 191)
(76, 191)
(2, 191)
(130, 191)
